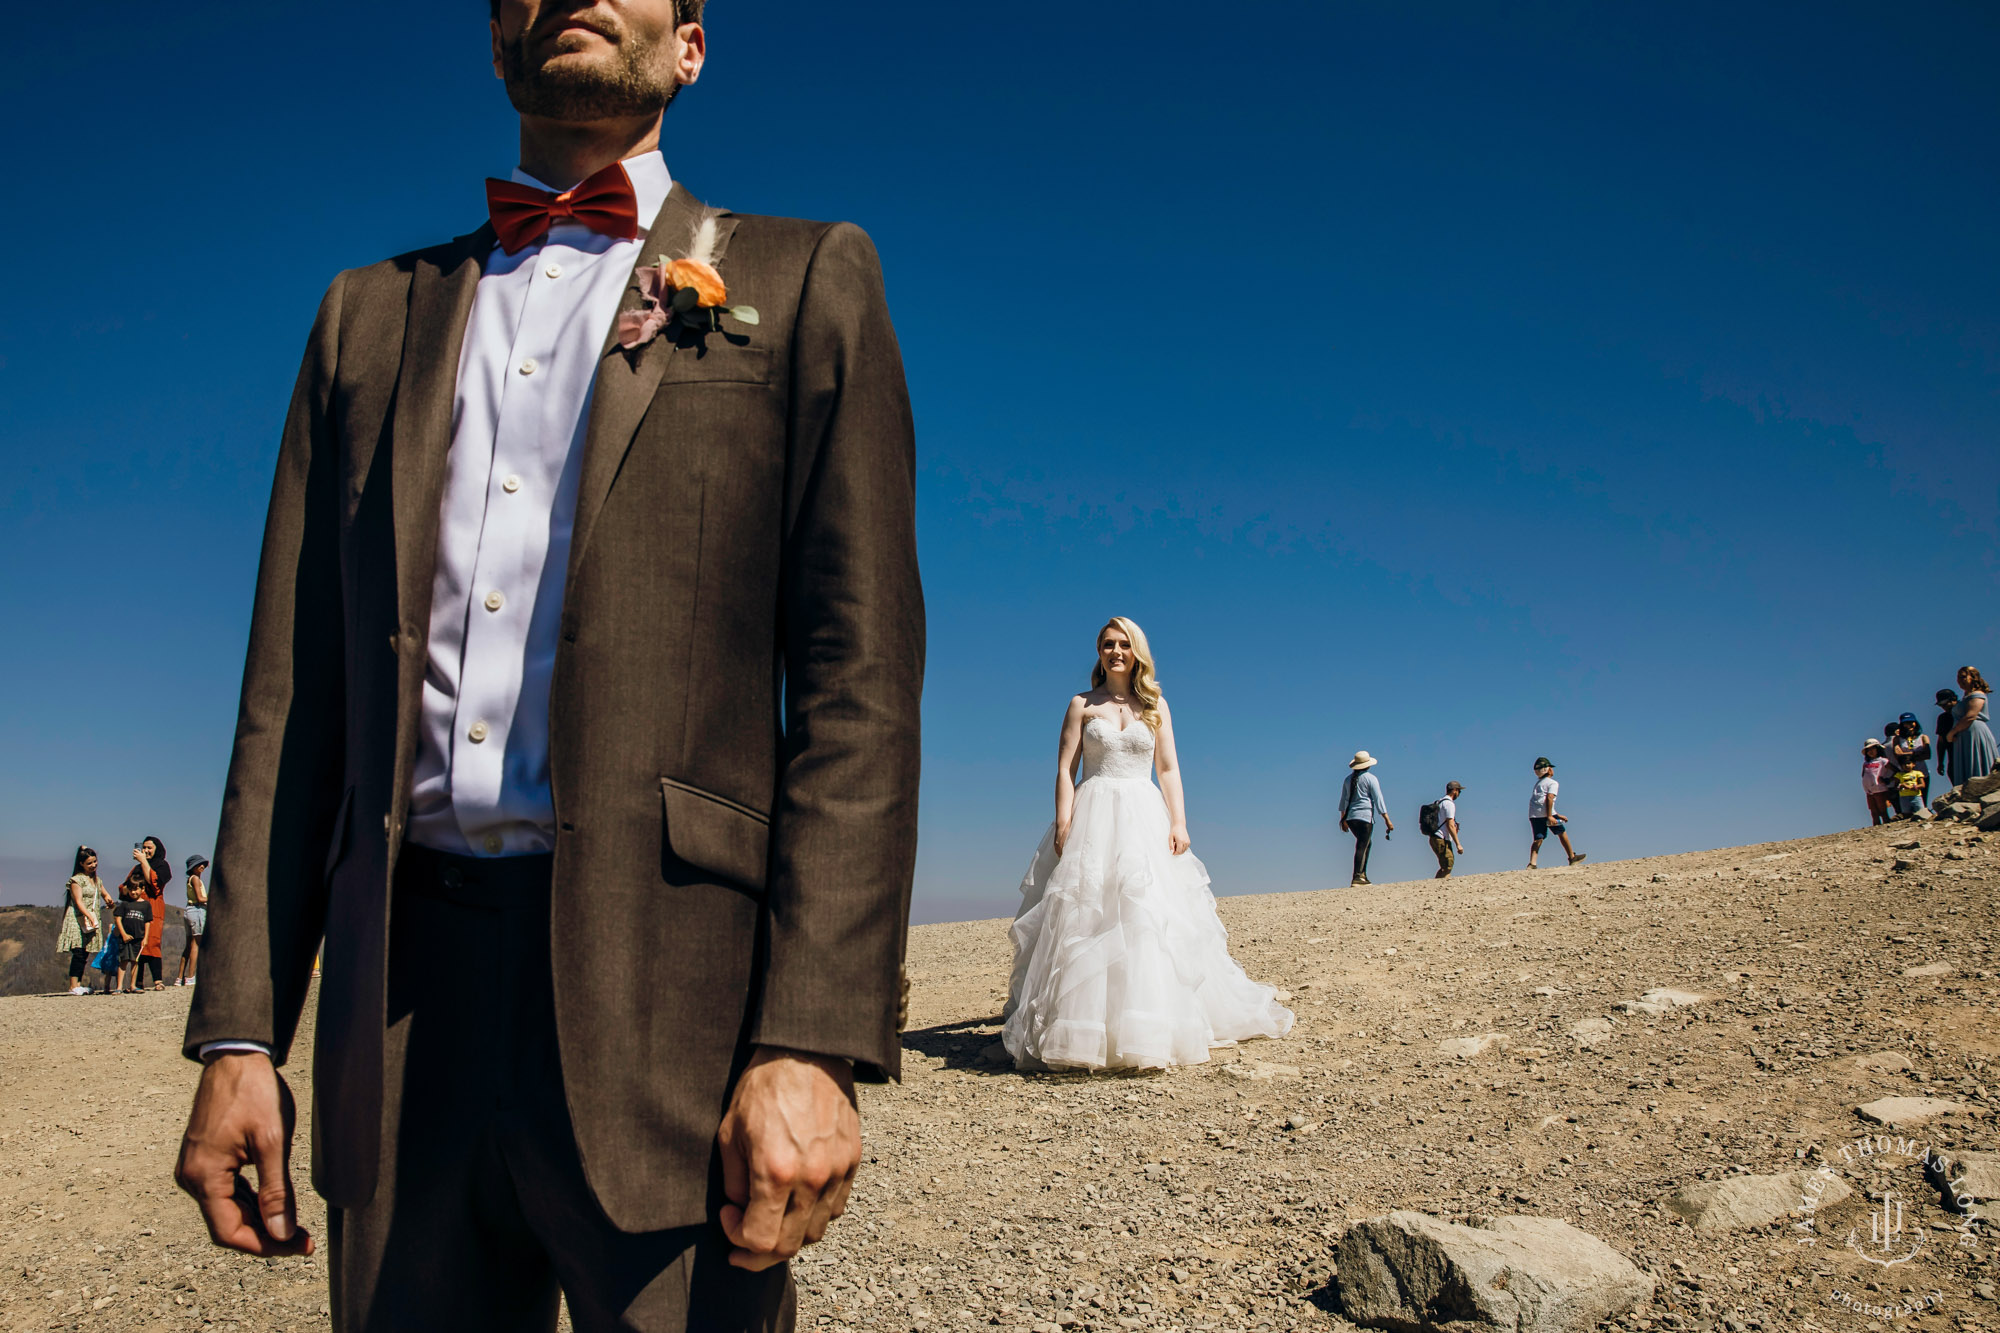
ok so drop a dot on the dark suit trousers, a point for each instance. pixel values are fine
(482, 1212)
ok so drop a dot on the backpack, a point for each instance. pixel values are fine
(1428, 821)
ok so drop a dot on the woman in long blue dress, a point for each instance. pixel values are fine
(1973, 753)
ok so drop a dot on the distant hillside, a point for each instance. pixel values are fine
(29, 963)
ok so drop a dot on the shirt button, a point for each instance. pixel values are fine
(528, 366)
(511, 485)
(494, 843)
(495, 600)
(553, 270)
(476, 732)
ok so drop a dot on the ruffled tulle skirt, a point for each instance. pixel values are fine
(1120, 961)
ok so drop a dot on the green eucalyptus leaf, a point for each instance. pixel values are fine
(685, 299)
(743, 314)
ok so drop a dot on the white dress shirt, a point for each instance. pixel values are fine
(532, 344)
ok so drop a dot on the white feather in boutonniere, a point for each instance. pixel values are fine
(688, 289)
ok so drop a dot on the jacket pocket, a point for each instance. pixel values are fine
(716, 833)
(336, 846)
(719, 362)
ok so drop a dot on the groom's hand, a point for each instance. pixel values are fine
(243, 1116)
(790, 1145)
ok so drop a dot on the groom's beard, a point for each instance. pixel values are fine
(638, 81)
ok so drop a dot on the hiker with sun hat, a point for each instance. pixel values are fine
(1360, 801)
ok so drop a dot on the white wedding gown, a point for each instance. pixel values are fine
(1120, 961)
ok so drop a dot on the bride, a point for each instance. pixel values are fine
(1119, 958)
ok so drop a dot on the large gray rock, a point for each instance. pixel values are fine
(1966, 1178)
(1412, 1273)
(1989, 821)
(1977, 789)
(1899, 1112)
(1754, 1201)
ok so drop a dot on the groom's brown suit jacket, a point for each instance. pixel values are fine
(733, 721)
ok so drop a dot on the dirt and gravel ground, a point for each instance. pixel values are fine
(1210, 1197)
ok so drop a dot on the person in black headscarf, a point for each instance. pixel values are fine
(159, 871)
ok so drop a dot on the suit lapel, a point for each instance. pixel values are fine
(626, 381)
(442, 285)
(441, 292)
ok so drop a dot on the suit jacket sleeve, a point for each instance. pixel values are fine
(844, 827)
(267, 896)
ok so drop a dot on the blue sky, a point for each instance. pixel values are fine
(1614, 384)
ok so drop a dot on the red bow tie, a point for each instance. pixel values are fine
(603, 202)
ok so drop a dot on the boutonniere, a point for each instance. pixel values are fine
(687, 290)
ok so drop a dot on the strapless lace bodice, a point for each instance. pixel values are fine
(1111, 753)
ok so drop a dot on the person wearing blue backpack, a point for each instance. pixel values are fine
(1360, 801)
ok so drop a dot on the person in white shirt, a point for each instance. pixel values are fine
(1542, 816)
(1444, 843)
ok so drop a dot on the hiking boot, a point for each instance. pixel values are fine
(1578, 857)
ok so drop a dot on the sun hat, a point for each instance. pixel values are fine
(1947, 697)
(1907, 717)
(196, 862)
(1543, 763)
(1449, 785)
(1362, 759)
(1871, 744)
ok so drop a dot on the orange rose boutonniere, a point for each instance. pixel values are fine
(687, 289)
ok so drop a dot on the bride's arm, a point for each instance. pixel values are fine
(1167, 763)
(1068, 747)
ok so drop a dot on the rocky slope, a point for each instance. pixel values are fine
(1571, 1044)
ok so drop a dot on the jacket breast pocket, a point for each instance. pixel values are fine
(716, 361)
(716, 834)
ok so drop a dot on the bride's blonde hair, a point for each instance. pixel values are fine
(1145, 679)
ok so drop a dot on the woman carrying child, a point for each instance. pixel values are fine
(1910, 743)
